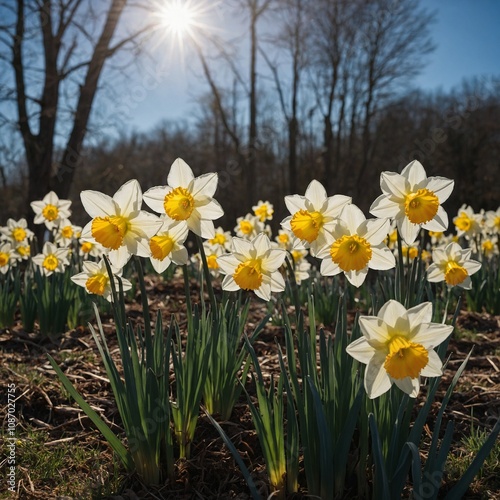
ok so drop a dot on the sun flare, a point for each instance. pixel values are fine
(178, 17)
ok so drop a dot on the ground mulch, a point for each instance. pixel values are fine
(211, 473)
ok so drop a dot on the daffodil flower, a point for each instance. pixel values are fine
(166, 246)
(51, 210)
(253, 266)
(413, 200)
(356, 245)
(313, 215)
(187, 198)
(6, 257)
(398, 347)
(66, 233)
(222, 239)
(52, 259)
(95, 279)
(467, 223)
(453, 265)
(263, 210)
(249, 227)
(492, 220)
(118, 223)
(16, 232)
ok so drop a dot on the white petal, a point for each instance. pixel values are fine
(207, 229)
(466, 283)
(441, 187)
(264, 291)
(394, 184)
(160, 265)
(316, 194)
(97, 204)
(375, 231)
(155, 198)
(377, 381)
(439, 223)
(434, 367)
(361, 350)
(353, 217)
(242, 246)
(435, 274)
(391, 312)
(295, 202)
(145, 224)
(374, 329)
(382, 258)
(129, 197)
(334, 205)
(410, 386)
(431, 335)
(356, 278)
(408, 230)
(119, 257)
(205, 185)
(472, 266)
(329, 268)
(419, 314)
(228, 263)
(212, 210)
(180, 174)
(415, 173)
(80, 279)
(384, 206)
(229, 284)
(261, 244)
(180, 256)
(277, 282)
(274, 260)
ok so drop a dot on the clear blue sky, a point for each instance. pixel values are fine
(466, 34)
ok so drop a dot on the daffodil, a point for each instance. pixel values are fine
(187, 198)
(221, 239)
(301, 266)
(212, 253)
(88, 249)
(453, 265)
(95, 279)
(413, 200)
(398, 347)
(118, 223)
(249, 227)
(467, 223)
(263, 210)
(6, 257)
(53, 259)
(16, 232)
(66, 233)
(51, 210)
(253, 265)
(313, 215)
(492, 221)
(356, 245)
(166, 246)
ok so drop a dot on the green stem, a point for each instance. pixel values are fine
(187, 292)
(144, 298)
(206, 272)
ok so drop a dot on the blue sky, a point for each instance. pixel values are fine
(466, 34)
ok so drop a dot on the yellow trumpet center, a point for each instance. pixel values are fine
(454, 273)
(306, 225)
(161, 246)
(463, 222)
(262, 212)
(405, 358)
(488, 247)
(97, 284)
(19, 234)
(246, 226)
(67, 232)
(50, 262)
(23, 250)
(248, 275)
(212, 261)
(50, 212)
(86, 246)
(283, 239)
(4, 259)
(179, 204)
(110, 231)
(351, 253)
(218, 239)
(422, 206)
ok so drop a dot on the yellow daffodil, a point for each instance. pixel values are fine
(118, 223)
(413, 200)
(95, 279)
(453, 265)
(166, 246)
(356, 245)
(398, 347)
(51, 210)
(52, 259)
(313, 215)
(187, 198)
(253, 265)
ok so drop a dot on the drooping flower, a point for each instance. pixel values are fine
(253, 265)
(187, 198)
(51, 210)
(166, 246)
(467, 222)
(95, 279)
(356, 245)
(313, 215)
(118, 223)
(263, 210)
(413, 200)
(398, 347)
(16, 232)
(453, 265)
(53, 259)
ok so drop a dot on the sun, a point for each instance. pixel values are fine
(178, 17)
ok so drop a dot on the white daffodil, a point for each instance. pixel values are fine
(16, 231)
(187, 198)
(6, 257)
(212, 253)
(398, 347)
(313, 215)
(118, 223)
(52, 259)
(467, 222)
(301, 267)
(492, 221)
(453, 265)
(66, 232)
(88, 249)
(166, 246)
(51, 210)
(356, 245)
(22, 251)
(95, 279)
(263, 210)
(253, 266)
(222, 239)
(413, 200)
(249, 227)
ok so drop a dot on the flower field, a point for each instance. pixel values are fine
(151, 354)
